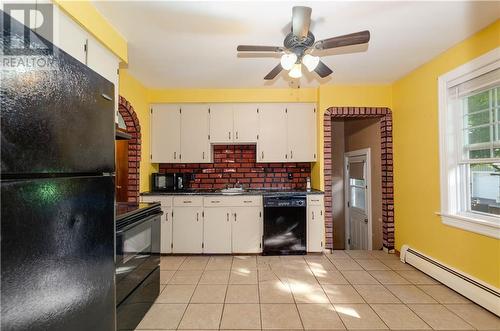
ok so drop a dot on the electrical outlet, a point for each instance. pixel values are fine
(290, 176)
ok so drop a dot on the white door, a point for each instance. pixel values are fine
(315, 223)
(166, 230)
(301, 123)
(272, 145)
(69, 36)
(358, 203)
(217, 230)
(195, 146)
(165, 133)
(221, 123)
(246, 123)
(187, 230)
(247, 229)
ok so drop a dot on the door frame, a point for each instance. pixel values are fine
(366, 152)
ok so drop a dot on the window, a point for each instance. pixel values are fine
(470, 145)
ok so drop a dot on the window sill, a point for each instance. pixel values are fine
(485, 225)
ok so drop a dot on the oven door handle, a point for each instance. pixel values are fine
(141, 221)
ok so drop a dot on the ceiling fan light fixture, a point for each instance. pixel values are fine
(288, 60)
(310, 61)
(296, 71)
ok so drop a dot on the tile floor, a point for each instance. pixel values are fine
(354, 290)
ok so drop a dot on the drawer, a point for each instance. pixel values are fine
(247, 200)
(315, 200)
(188, 201)
(165, 200)
(232, 201)
(217, 201)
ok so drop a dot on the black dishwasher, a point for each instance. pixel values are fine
(284, 225)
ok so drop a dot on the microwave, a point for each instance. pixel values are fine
(169, 182)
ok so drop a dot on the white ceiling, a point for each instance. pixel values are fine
(193, 44)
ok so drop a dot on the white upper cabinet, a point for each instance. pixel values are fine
(195, 145)
(165, 133)
(221, 123)
(69, 36)
(272, 144)
(246, 123)
(301, 125)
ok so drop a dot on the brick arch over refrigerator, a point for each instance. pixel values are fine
(134, 147)
(385, 115)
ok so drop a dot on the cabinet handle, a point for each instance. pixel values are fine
(197, 217)
(312, 215)
(262, 155)
(229, 133)
(286, 156)
(291, 154)
(175, 155)
(166, 217)
(236, 134)
(235, 217)
(203, 155)
(227, 217)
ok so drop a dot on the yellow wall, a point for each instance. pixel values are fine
(87, 15)
(416, 165)
(135, 93)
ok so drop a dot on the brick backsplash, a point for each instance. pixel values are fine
(233, 163)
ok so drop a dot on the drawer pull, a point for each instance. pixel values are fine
(247, 201)
(312, 200)
(187, 201)
(215, 201)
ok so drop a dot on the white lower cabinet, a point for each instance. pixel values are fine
(187, 226)
(315, 222)
(217, 230)
(247, 230)
(166, 220)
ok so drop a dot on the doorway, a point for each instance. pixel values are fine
(357, 188)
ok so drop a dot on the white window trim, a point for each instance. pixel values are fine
(449, 151)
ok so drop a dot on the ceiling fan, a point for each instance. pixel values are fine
(299, 44)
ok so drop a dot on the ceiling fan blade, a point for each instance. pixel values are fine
(346, 40)
(322, 69)
(273, 73)
(255, 48)
(301, 20)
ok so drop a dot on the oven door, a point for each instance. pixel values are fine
(137, 252)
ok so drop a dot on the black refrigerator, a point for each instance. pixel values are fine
(57, 191)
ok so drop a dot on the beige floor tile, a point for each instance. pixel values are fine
(273, 275)
(337, 254)
(399, 317)
(346, 264)
(359, 277)
(245, 262)
(381, 255)
(372, 265)
(209, 294)
(417, 277)
(280, 316)
(165, 276)
(476, 316)
(397, 265)
(243, 276)
(241, 316)
(342, 294)
(306, 293)
(186, 277)
(376, 294)
(359, 317)
(410, 294)
(176, 294)
(202, 316)
(360, 254)
(171, 262)
(330, 277)
(320, 264)
(220, 263)
(162, 316)
(443, 294)
(275, 292)
(193, 264)
(242, 294)
(215, 277)
(319, 317)
(388, 277)
(439, 318)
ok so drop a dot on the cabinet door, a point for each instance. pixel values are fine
(301, 123)
(315, 223)
(246, 123)
(187, 230)
(221, 123)
(195, 146)
(165, 133)
(217, 230)
(69, 36)
(272, 144)
(247, 230)
(166, 230)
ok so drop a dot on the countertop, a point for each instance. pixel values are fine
(126, 210)
(249, 192)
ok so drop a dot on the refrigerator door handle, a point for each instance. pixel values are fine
(107, 97)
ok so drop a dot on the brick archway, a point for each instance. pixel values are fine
(387, 167)
(134, 147)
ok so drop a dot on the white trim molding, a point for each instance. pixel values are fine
(452, 211)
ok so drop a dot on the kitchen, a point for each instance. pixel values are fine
(165, 207)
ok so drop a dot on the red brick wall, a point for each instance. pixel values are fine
(234, 163)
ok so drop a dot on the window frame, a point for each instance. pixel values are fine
(452, 172)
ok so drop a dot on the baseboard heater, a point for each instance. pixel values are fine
(475, 290)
